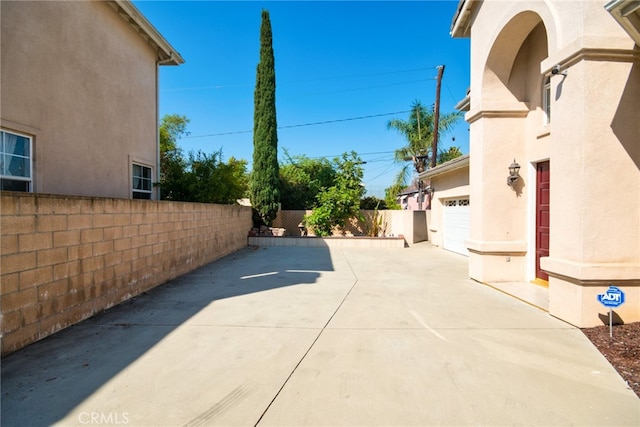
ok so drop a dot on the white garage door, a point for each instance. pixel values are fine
(456, 225)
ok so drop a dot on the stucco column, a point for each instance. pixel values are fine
(595, 186)
(497, 244)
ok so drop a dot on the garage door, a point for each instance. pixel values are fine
(456, 225)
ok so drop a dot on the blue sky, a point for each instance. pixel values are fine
(335, 61)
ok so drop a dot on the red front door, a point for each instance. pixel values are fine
(542, 216)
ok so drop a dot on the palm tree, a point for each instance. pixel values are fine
(450, 154)
(418, 131)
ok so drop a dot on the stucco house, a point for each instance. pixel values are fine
(79, 105)
(409, 199)
(448, 186)
(555, 95)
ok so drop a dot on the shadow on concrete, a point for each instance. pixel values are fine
(45, 381)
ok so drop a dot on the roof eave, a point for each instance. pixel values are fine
(461, 25)
(627, 13)
(451, 165)
(464, 104)
(167, 55)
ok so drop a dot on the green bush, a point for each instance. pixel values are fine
(340, 202)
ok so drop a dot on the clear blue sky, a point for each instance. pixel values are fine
(334, 61)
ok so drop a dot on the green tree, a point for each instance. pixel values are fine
(172, 128)
(391, 196)
(301, 180)
(200, 177)
(172, 162)
(418, 131)
(371, 202)
(265, 179)
(210, 180)
(341, 201)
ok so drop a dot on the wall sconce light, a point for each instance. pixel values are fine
(429, 190)
(514, 168)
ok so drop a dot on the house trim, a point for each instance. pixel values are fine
(491, 111)
(627, 13)
(497, 246)
(590, 271)
(464, 104)
(167, 55)
(461, 25)
(451, 165)
(10, 124)
(29, 179)
(590, 49)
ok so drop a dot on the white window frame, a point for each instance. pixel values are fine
(141, 191)
(28, 179)
(546, 100)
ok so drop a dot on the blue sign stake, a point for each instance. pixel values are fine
(613, 297)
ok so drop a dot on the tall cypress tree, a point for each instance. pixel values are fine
(265, 183)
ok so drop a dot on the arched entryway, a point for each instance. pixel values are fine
(512, 123)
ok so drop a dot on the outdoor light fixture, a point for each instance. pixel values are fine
(429, 190)
(514, 168)
(557, 70)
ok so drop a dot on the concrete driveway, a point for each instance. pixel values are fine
(285, 336)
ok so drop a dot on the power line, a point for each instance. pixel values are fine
(302, 124)
(379, 159)
(301, 81)
(343, 120)
(176, 89)
(359, 154)
(453, 98)
(382, 173)
(366, 88)
(314, 93)
(377, 152)
(218, 134)
(386, 166)
(366, 75)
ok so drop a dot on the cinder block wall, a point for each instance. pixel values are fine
(64, 259)
(289, 220)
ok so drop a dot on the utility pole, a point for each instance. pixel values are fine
(436, 118)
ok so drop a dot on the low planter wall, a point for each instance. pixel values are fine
(410, 224)
(66, 258)
(341, 242)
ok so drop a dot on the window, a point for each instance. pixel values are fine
(546, 100)
(141, 182)
(15, 162)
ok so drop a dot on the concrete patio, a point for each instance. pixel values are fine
(318, 336)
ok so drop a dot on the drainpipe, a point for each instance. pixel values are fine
(158, 128)
(159, 62)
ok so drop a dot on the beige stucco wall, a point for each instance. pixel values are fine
(447, 186)
(601, 245)
(591, 143)
(412, 225)
(82, 83)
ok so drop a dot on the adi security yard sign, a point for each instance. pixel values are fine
(613, 297)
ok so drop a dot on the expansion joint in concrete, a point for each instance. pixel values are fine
(295, 368)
